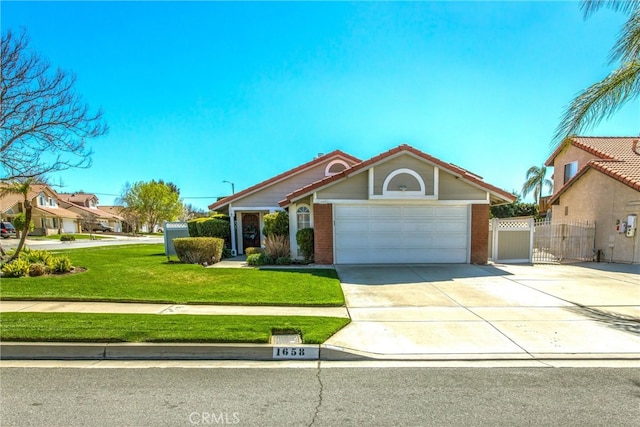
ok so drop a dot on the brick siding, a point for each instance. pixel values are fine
(323, 233)
(479, 234)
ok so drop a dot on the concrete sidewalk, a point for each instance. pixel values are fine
(167, 309)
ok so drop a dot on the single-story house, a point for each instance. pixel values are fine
(597, 179)
(47, 215)
(402, 206)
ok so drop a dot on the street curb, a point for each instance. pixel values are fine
(256, 352)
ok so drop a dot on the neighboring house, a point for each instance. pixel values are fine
(47, 215)
(402, 206)
(597, 179)
(118, 222)
(86, 205)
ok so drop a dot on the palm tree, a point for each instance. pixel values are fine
(22, 187)
(602, 99)
(536, 181)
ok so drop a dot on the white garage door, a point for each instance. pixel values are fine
(69, 226)
(400, 234)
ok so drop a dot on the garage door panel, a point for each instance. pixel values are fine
(451, 226)
(388, 226)
(352, 227)
(401, 234)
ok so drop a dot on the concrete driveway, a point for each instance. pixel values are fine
(495, 311)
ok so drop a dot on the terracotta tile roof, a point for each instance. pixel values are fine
(275, 179)
(91, 211)
(77, 198)
(617, 157)
(456, 170)
(57, 212)
(113, 210)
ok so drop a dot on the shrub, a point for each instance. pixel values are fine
(277, 246)
(276, 224)
(198, 250)
(61, 264)
(19, 222)
(37, 257)
(253, 251)
(37, 269)
(259, 259)
(210, 227)
(16, 268)
(285, 260)
(226, 253)
(67, 238)
(304, 238)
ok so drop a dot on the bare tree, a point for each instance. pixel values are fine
(44, 124)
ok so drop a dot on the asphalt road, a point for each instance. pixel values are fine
(320, 397)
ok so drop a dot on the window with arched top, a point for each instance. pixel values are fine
(303, 217)
(334, 167)
(402, 183)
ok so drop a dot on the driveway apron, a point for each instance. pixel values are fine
(464, 311)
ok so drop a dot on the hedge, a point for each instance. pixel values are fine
(210, 227)
(199, 250)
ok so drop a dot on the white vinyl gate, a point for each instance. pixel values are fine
(511, 240)
(367, 234)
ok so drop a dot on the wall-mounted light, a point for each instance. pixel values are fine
(403, 188)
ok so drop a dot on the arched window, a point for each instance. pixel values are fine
(403, 182)
(303, 217)
(335, 167)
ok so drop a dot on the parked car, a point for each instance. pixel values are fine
(98, 227)
(7, 230)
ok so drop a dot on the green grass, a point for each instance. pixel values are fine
(141, 273)
(79, 236)
(82, 327)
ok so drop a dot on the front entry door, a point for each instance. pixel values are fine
(250, 230)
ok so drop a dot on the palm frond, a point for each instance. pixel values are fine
(626, 6)
(627, 47)
(600, 101)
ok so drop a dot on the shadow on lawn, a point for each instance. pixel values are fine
(614, 320)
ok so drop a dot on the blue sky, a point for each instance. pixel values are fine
(201, 92)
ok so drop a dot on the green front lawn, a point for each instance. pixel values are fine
(79, 236)
(141, 273)
(81, 327)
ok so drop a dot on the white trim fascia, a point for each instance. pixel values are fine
(258, 209)
(383, 201)
(371, 178)
(436, 181)
(403, 195)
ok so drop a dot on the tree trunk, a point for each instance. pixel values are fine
(25, 231)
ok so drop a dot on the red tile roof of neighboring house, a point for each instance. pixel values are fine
(113, 210)
(618, 157)
(57, 212)
(456, 170)
(275, 179)
(77, 198)
(93, 211)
